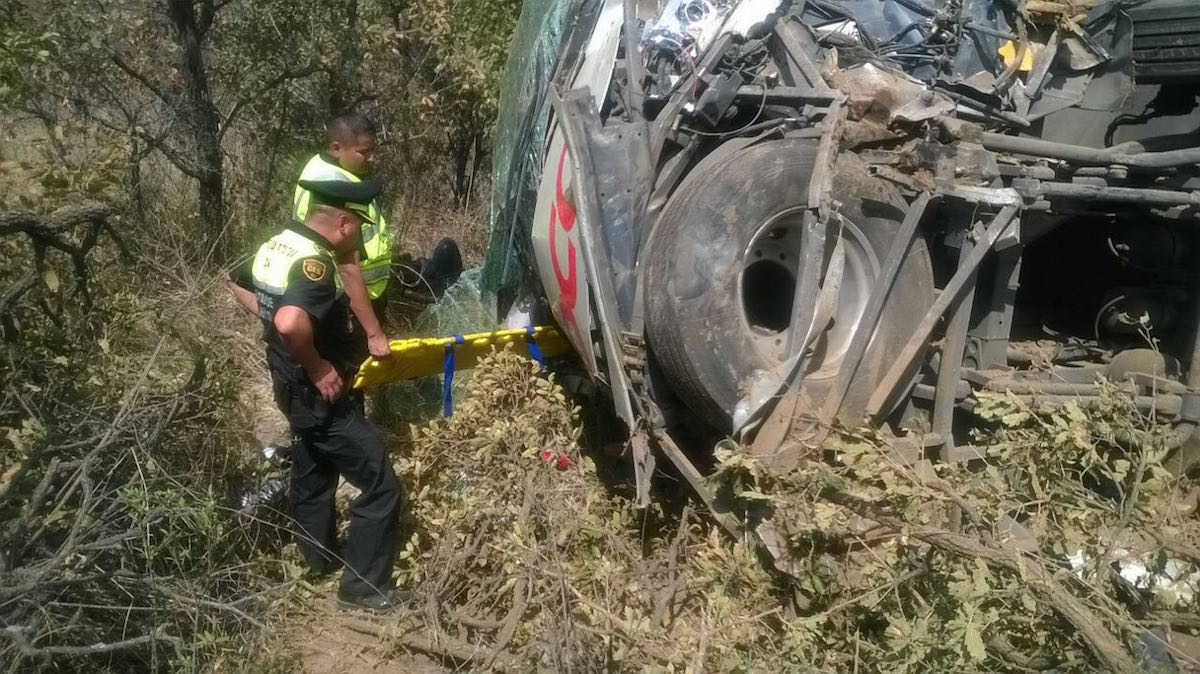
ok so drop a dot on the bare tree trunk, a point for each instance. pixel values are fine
(344, 89)
(136, 188)
(200, 114)
(460, 151)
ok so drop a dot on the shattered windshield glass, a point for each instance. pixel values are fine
(520, 130)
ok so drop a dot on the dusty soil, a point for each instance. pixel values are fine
(328, 641)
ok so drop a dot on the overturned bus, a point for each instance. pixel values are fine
(763, 218)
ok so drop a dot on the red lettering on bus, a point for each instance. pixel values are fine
(562, 212)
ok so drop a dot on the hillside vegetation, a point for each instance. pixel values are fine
(147, 146)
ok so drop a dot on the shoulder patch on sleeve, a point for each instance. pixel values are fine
(314, 269)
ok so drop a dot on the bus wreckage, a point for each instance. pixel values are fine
(767, 218)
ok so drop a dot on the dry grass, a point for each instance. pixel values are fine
(421, 227)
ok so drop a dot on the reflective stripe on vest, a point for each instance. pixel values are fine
(273, 263)
(378, 244)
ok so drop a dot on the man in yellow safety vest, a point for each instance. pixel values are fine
(289, 284)
(364, 273)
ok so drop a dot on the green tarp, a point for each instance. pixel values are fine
(520, 132)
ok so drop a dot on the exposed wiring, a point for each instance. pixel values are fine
(1100, 315)
(992, 32)
(687, 51)
(1113, 249)
(1125, 120)
(893, 43)
(761, 107)
(1005, 81)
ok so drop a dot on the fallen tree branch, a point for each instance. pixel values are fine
(12, 222)
(520, 588)
(1178, 547)
(17, 634)
(439, 645)
(219, 606)
(10, 297)
(45, 232)
(664, 599)
(1106, 646)
(1174, 619)
(471, 621)
(515, 614)
(1008, 652)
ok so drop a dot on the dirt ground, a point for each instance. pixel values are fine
(335, 641)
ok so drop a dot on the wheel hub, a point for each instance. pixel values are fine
(771, 269)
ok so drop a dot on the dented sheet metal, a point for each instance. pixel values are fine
(946, 102)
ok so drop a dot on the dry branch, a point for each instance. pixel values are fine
(68, 515)
(49, 232)
(439, 645)
(17, 634)
(1107, 647)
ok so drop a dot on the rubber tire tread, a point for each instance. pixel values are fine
(737, 191)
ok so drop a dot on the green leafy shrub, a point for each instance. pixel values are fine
(989, 565)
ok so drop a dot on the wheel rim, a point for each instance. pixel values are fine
(771, 267)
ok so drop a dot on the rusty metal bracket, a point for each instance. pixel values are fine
(772, 434)
(820, 186)
(813, 307)
(953, 346)
(805, 307)
(811, 303)
(702, 488)
(870, 320)
(793, 48)
(990, 196)
(763, 534)
(643, 466)
(633, 61)
(902, 369)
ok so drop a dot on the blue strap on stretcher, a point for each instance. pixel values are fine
(535, 351)
(448, 376)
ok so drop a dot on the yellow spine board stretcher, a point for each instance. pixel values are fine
(424, 356)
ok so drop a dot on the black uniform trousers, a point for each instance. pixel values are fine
(342, 441)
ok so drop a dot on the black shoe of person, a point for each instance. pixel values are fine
(376, 602)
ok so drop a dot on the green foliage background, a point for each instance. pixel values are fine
(125, 426)
(78, 75)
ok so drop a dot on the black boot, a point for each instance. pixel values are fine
(378, 602)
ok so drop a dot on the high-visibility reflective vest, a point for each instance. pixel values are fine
(273, 263)
(378, 243)
(288, 258)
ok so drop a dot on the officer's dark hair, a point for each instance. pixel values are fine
(347, 128)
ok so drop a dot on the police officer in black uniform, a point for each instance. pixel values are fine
(290, 284)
